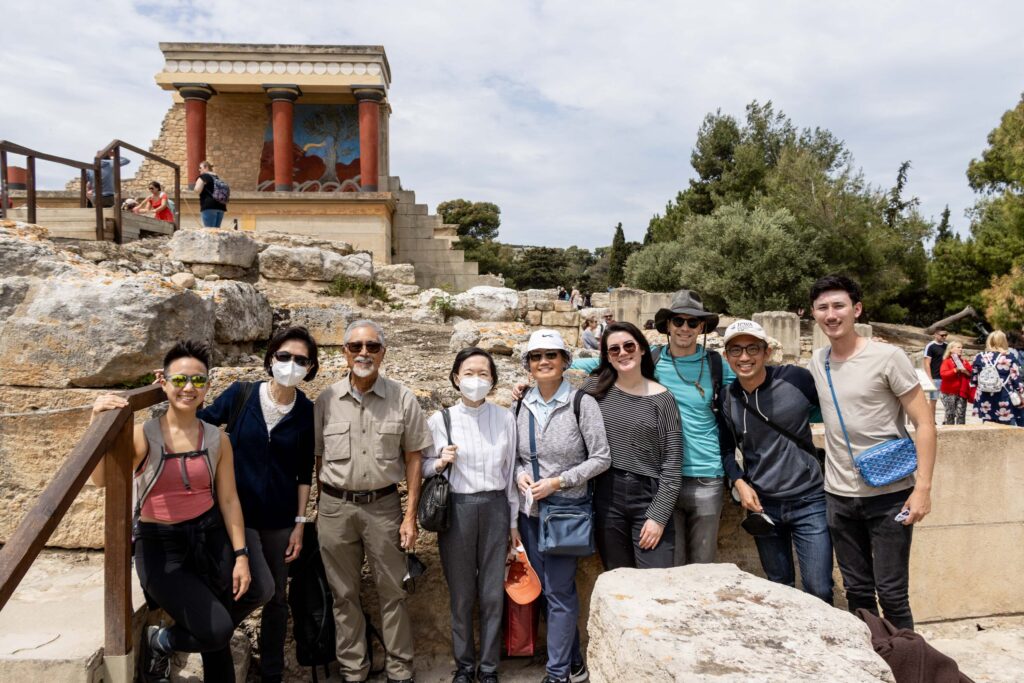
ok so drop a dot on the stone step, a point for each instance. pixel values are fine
(411, 209)
(426, 258)
(412, 245)
(447, 230)
(411, 232)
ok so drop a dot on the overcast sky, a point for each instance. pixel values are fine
(571, 116)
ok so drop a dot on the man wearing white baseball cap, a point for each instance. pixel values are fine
(781, 483)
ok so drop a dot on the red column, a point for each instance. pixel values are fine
(369, 132)
(282, 110)
(196, 96)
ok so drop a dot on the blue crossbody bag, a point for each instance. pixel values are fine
(566, 524)
(883, 463)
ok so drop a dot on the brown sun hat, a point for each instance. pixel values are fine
(686, 302)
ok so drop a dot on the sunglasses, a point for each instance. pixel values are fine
(182, 381)
(692, 323)
(536, 356)
(301, 361)
(628, 347)
(753, 350)
(370, 346)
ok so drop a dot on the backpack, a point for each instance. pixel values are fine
(220, 190)
(312, 606)
(989, 380)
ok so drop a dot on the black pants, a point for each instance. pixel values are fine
(186, 569)
(873, 552)
(266, 552)
(621, 499)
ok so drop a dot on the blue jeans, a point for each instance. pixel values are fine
(558, 580)
(800, 523)
(211, 218)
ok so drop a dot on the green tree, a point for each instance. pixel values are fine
(944, 231)
(1001, 166)
(617, 257)
(657, 267)
(538, 268)
(476, 220)
(492, 257)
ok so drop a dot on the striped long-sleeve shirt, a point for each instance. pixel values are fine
(645, 438)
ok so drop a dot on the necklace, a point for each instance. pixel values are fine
(700, 373)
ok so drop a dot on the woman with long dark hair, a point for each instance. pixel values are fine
(635, 498)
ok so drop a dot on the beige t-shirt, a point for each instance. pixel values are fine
(868, 387)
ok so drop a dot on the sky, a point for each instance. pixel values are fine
(571, 116)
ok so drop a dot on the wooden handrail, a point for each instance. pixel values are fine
(109, 436)
(115, 146)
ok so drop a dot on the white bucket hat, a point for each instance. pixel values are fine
(747, 327)
(545, 340)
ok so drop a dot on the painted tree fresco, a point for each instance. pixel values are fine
(325, 149)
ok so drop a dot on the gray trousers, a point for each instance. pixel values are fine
(473, 551)
(698, 510)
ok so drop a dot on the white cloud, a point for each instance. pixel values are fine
(571, 116)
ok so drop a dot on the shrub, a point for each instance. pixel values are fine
(361, 291)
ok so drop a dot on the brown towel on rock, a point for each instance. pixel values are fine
(909, 655)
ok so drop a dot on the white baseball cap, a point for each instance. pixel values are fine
(747, 327)
(546, 339)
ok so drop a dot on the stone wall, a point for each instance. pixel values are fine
(555, 315)
(635, 305)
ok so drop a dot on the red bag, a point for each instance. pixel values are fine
(520, 628)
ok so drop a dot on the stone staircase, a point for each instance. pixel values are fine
(424, 240)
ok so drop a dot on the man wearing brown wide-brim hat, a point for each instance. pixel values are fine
(695, 375)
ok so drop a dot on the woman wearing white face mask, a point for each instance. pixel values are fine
(479, 462)
(271, 429)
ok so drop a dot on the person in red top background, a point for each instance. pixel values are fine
(955, 388)
(158, 203)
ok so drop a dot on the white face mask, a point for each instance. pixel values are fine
(474, 388)
(288, 374)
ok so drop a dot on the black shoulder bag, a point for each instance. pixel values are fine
(434, 507)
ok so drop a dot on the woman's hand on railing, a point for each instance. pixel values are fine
(240, 577)
(105, 402)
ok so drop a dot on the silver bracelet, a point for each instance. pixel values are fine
(301, 519)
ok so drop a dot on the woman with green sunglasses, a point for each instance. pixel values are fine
(189, 535)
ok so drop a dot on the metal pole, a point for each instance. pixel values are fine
(30, 164)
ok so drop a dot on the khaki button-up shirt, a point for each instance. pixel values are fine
(363, 442)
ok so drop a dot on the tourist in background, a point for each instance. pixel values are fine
(106, 181)
(210, 209)
(996, 376)
(158, 203)
(635, 498)
(482, 510)
(590, 336)
(272, 439)
(781, 477)
(190, 548)
(369, 433)
(876, 389)
(607, 320)
(955, 389)
(931, 361)
(568, 454)
(575, 300)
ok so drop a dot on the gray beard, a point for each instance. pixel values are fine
(362, 371)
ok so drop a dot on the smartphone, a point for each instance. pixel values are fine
(902, 516)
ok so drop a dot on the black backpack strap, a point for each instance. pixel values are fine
(807, 446)
(656, 354)
(715, 359)
(577, 401)
(446, 416)
(245, 390)
(519, 404)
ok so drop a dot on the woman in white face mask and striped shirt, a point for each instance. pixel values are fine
(479, 456)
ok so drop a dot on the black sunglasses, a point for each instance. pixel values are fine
(692, 323)
(627, 347)
(370, 346)
(536, 356)
(284, 357)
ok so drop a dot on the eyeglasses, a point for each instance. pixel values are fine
(627, 347)
(301, 361)
(692, 323)
(536, 356)
(370, 346)
(753, 350)
(182, 381)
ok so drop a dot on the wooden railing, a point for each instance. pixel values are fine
(114, 149)
(110, 436)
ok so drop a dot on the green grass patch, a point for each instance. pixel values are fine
(357, 289)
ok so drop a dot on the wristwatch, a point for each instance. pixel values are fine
(242, 552)
(301, 519)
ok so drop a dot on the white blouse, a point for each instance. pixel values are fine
(486, 438)
(273, 412)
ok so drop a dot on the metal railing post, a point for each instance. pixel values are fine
(118, 233)
(117, 595)
(30, 166)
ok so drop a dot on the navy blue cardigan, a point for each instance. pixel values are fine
(268, 470)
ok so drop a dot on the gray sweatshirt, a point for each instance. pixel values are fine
(560, 447)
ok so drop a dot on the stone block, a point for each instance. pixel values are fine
(326, 322)
(543, 306)
(242, 313)
(714, 622)
(557, 319)
(784, 327)
(563, 306)
(184, 280)
(396, 274)
(214, 246)
(313, 263)
(489, 303)
(535, 295)
(533, 318)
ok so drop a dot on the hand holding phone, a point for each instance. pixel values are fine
(902, 516)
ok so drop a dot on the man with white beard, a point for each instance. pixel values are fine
(369, 432)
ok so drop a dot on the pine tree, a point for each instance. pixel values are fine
(617, 258)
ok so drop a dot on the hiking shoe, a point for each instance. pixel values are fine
(551, 679)
(489, 677)
(156, 664)
(463, 676)
(401, 680)
(578, 673)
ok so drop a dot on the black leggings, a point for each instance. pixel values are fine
(186, 569)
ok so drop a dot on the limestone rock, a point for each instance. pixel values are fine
(325, 321)
(284, 239)
(313, 263)
(535, 295)
(396, 274)
(242, 312)
(400, 291)
(602, 299)
(715, 622)
(784, 327)
(429, 316)
(489, 303)
(428, 296)
(560, 319)
(462, 338)
(184, 280)
(218, 247)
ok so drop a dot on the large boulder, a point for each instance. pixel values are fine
(242, 313)
(490, 303)
(313, 264)
(285, 239)
(715, 622)
(396, 274)
(326, 321)
(213, 247)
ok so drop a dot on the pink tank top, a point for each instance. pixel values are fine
(183, 491)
